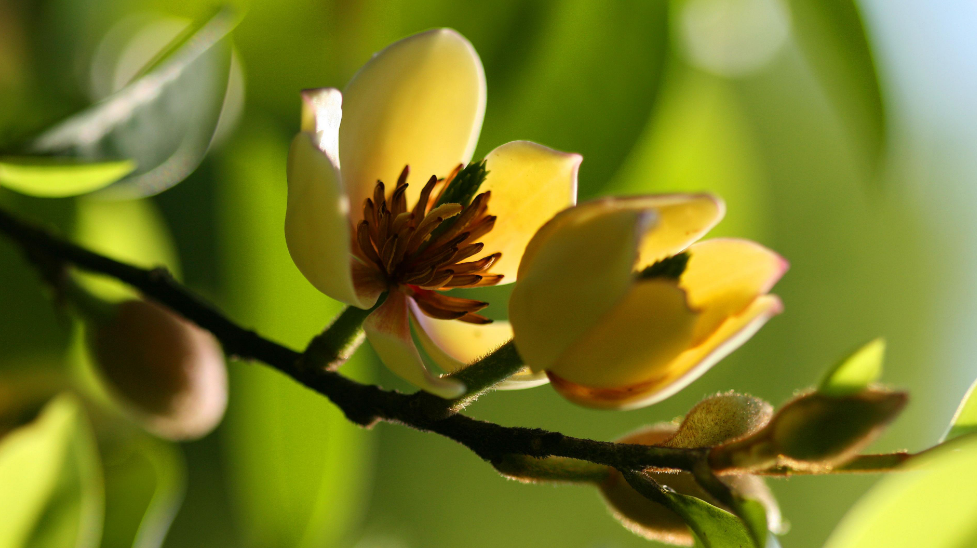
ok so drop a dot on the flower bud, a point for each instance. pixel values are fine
(715, 420)
(169, 372)
(815, 431)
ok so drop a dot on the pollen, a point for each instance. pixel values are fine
(429, 248)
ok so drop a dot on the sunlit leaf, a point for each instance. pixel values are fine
(51, 481)
(856, 372)
(145, 482)
(297, 469)
(164, 120)
(832, 36)
(930, 503)
(58, 177)
(965, 419)
(714, 527)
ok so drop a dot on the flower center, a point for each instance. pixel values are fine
(426, 249)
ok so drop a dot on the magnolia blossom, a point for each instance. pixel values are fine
(621, 309)
(371, 181)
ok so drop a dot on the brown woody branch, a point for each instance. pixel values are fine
(365, 404)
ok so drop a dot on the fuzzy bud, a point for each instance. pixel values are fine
(815, 431)
(168, 372)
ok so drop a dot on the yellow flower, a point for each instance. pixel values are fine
(607, 306)
(363, 218)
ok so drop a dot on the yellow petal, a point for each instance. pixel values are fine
(322, 111)
(635, 341)
(725, 275)
(388, 330)
(317, 228)
(530, 184)
(419, 102)
(684, 369)
(682, 219)
(576, 268)
(453, 345)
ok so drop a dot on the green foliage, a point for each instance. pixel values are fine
(51, 479)
(832, 36)
(965, 419)
(714, 527)
(856, 372)
(58, 177)
(145, 481)
(163, 120)
(930, 503)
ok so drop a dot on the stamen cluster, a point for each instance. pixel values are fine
(424, 249)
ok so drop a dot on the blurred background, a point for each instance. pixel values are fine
(841, 134)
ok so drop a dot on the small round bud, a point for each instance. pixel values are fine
(169, 372)
(721, 418)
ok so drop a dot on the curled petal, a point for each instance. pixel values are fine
(635, 341)
(453, 345)
(530, 184)
(419, 102)
(682, 219)
(576, 268)
(317, 228)
(724, 276)
(388, 330)
(685, 368)
(322, 112)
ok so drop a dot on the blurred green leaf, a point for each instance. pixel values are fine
(965, 419)
(754, 515)
(832, 36)
(58, 177)
(163, 120)
(929, 503)
(297, 469)
(856, 372)
(51, 481)
(586, 84)
(699, 140)
(145, 480)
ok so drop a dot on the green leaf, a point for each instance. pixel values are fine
(832, 37)
(929, 503)
(51, 481)
(754, 515)
(856, 372)
(163, 120)
(49, 177)
(965, 419)
(145, 481)
(714, 527)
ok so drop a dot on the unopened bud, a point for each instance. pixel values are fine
(653, 520)
(815, 431)
(721, 418)
(169, 372)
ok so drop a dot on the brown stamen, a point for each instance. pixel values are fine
(394, 239)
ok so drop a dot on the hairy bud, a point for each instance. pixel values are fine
(815, 431)
(168, 372)
(715, 420)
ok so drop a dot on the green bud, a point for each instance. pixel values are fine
(721, 418)
(169, 373)
(815, 431)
